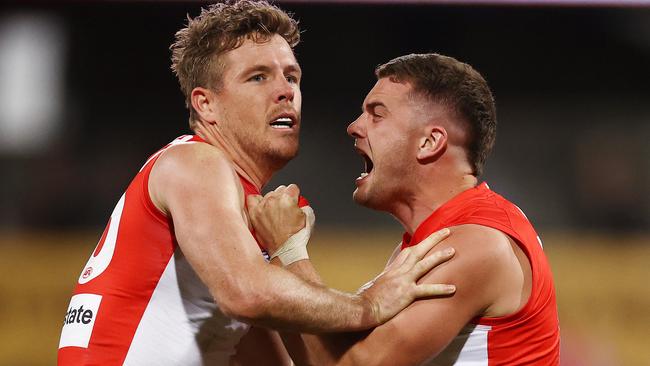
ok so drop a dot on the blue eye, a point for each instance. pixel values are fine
(292, 79)
(257, 77)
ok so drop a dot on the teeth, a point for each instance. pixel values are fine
(363, 175)
(282, 123)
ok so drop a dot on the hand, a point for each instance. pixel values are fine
(276, 216)
(396, 287)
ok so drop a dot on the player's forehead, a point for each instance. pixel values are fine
(387, 93)
(275, 53)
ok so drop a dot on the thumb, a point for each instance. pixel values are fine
(252, 200)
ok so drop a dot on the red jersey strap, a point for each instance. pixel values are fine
(439, 216)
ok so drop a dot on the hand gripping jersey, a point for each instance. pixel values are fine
(138, 301)
(531, 336)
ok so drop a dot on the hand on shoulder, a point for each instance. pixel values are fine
(488, 270)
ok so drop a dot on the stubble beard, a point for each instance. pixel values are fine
(263, 150)
(278, 156)
(384, 191)
(369, 195)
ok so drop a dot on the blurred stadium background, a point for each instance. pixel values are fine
(86, 95)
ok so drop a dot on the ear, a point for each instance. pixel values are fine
(433, 144)
(204, 103)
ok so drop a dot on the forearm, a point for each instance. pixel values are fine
(303, 269)
(284, 301)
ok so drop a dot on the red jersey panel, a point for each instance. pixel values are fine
(531, 336)
(137, 300)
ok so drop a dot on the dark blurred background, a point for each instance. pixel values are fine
(87, 94)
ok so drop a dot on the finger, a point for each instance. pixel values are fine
(252, 200)
(436, 289)
(430, 262)
(408, 257)
(293, 190)
(280, 188)
(287, 198)
(272, 195)
(423, 247)
(400, 258)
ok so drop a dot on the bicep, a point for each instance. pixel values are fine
(427, 326)
(200, 192)
(418, 333)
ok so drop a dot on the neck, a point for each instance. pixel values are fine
(428, 196)
(253, 170)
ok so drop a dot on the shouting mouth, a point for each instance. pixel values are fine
(368, 165)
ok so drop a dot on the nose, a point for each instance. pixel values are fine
(285, 92)
(355, 128)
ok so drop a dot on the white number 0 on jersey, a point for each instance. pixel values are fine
(98, 262)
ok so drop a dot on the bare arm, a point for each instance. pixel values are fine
(489, 282)
(199, 189)
(260, 347)
(272, 217)
(491, 273)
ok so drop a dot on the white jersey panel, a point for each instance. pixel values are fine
(469, 348)
(182, 325)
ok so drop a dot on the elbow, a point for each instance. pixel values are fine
(244, 303)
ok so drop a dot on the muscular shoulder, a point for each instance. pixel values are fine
(485, 268)
(192, 170)
(429, 325)
(481, 244)
(194, 158)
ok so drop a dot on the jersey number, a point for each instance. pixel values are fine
(101, 257)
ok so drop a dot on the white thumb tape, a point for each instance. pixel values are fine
(295, 248)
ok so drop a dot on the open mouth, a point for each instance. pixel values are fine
(368, 165)
(284, 122)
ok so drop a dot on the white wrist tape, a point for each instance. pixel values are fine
(295, 248)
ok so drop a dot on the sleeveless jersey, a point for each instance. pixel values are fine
(138, 301)
(531, 336)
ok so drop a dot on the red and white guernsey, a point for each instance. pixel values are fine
(138, 301)
(531, 336)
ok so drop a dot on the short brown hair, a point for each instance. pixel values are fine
(220, 28)
(456, 85)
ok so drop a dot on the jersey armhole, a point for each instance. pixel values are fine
(148, 203)
(526, 309)
(146, 173)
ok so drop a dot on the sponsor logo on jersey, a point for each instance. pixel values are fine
(79, 321)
